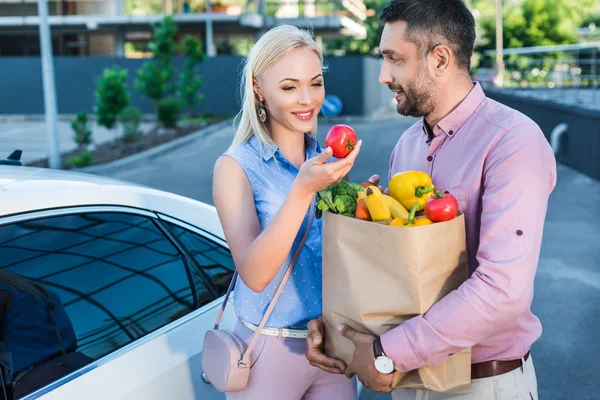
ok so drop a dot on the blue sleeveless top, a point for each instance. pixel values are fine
(28, 333)
(271, 176)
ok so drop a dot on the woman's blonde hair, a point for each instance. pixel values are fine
(24, 285)
(273, 46)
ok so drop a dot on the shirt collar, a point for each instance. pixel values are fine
(452, 122)
(269, 150)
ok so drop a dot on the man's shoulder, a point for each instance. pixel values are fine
(505, 118)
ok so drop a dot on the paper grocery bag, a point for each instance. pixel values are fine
(376, 276)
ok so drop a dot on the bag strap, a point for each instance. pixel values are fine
(4, 390)
(50, 308)
(273, 302)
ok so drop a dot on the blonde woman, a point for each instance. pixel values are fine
(31, 334)
(263, 188)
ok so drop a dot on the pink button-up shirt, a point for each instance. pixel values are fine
(500, 167)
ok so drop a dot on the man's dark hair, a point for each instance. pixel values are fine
(433, 22)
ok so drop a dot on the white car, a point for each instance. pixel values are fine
(140, 273)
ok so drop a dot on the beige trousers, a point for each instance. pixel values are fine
(519, 384)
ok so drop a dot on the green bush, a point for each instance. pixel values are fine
(82, 135)
(154, 77)
(85, 159)
(168, 111)
(130, 120)
(190, 82)
(111, 96)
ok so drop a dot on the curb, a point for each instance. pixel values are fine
(7, 118)
(154, 151)
(147, 154)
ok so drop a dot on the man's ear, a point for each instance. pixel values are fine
(257, 89)
(441, 56)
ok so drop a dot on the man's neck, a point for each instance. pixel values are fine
(451, 96)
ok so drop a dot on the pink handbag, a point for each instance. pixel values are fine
(225, 357)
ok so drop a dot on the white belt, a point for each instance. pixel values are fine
(281, 332)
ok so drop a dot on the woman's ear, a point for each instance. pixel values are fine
(257, 90)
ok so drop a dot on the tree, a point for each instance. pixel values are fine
(111, 96)
(533, 22)
(154, 78)
(348, 45)
(190, 82)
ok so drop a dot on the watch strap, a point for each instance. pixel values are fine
(378, 348)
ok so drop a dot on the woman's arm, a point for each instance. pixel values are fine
(258, 256)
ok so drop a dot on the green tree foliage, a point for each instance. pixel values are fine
(154, 77)
(348, 45)
(190, 81)
(532, 22)
(111, 96)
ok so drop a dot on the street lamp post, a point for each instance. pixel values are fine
(49, 89)
(499, 45)
(210, 44)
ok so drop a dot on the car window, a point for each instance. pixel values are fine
(214, 260)
(112, 278)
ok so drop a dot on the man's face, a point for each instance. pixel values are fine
(406, 72)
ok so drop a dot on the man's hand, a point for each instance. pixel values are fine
(374, 179)
(314, 349)
(363, 361)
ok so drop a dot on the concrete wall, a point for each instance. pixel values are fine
(21, 83)
(580, 149)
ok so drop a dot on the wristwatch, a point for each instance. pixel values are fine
(383, 363)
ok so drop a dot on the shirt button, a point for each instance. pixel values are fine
(451, 133)
(519, 232)
(429, 158)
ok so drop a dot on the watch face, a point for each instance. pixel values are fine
(385, 365)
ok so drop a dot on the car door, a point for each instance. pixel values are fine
(137, 303)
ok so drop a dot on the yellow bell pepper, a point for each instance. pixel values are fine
(411, 221)
(423, 221)
(412, 189)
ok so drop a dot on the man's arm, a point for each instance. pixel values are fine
(519, 174)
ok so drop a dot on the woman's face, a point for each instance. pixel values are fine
(292, 91)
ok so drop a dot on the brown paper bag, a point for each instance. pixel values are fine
(376, 276)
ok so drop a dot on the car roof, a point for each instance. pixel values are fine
(27, 189)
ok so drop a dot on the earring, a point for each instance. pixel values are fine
(262, 113)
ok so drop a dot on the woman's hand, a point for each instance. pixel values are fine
(317, 174)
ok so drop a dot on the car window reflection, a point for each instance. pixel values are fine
(110, 278)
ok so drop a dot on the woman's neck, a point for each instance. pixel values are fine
(291, 144)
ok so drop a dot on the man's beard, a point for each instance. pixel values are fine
(418, 96)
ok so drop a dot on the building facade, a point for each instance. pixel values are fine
(123, 27)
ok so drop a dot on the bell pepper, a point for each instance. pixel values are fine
(412, 189)
(411, 221)
(441, 207)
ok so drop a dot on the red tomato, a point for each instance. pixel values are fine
(441, 207)
(341, 139)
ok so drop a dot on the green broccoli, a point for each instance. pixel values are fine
(321, 205)
(344, 204)
(338, 199)
(346, 188)
(357, 187)
(326, 196)
(342, 188)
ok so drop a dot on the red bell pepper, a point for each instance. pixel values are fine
(441, 207)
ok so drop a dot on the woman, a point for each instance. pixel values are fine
(34, 329)
(263, 188)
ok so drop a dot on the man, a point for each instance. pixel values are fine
(500, 167)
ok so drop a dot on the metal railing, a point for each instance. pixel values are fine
(568, 74)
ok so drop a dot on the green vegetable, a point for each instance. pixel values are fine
(344, 204)
(338, 199)
(346, 188)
